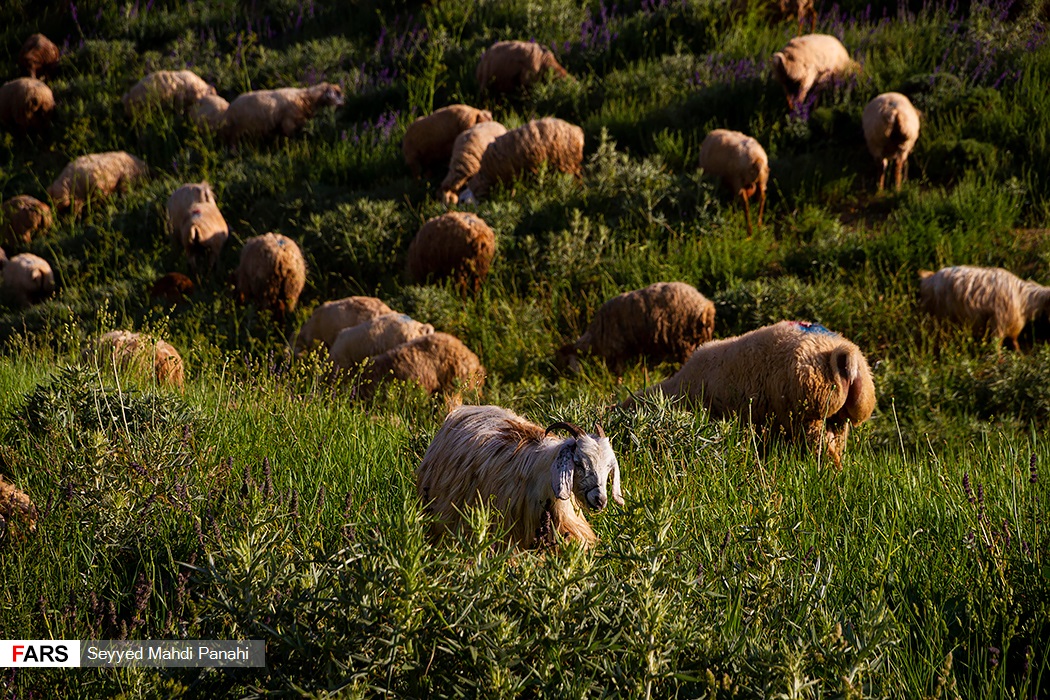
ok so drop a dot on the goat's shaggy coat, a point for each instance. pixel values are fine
(16, 510)
(97, 175)
(810, 62)
(507, 66)
(891, 128)
(456, 244)
(209, 112)
(357, 343)
(28, 278)
(26, 104)
(331, 317)
(467, 153)
(990, 300)
(177, 89)
(742, 164)
(272, 273)
(264, 113)
(39, 56)
(799, 377)
(489, 455)
(557, 143)
(21, 217)
(429, 139)
(664, 321)
(144, 357)
(438, 362)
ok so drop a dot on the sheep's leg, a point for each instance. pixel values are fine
(898, 172)
(747, 212)
(1014, 344)
(761, 206)
(882, 173)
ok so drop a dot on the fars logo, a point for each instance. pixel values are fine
(53, 653)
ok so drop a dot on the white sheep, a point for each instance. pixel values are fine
(95, 175)
(39, 56)
(179, 89)
(17, 511)
(796, 376)
(357, 343)
(810, 61)
(489, 455)
(181, 201)
(331, 317)
(271, 273)
(26, 104)
(523, 150)
(742, 164)
(467, 152)
(203, 234)
(146, 358)
(209, 113)
(429, 139)
(438, 362)
(21, 217)
(891, 128)
(507, 66)
(990, 300)
(265, 113)
(28, 278)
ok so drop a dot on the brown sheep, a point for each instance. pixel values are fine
(144, 357)
(742, 164)
(97, 175)
(810, 62)
(15, 509)
(465, 162)
(891, 128)
(265, 113)
(798, 377)
(331, 317)
(209, 113)
(357, 343)
(507, 66)
(28, 278)
(26, 104)
(39, 56)
(523, 150)
(272, 273)
(428, 140)
(664, 321)
(203, 234)
(21, 217)
(990, 300)
(456, 244)
(177, 89)
(172, 288)
(438, 362)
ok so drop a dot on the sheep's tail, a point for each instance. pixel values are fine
(897, 135)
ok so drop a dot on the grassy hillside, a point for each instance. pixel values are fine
(266, 502)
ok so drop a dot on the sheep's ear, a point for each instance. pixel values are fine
(617, 493)
(561, 471)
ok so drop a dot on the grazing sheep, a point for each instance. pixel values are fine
(467, 152)
(272, 273)
(331, 317)
(428, 140)
(39, 56)
(21, 217)
(799, 377)
(203, 234)
(209, 113)
(537, 483)
(15, 506)
(891, 128)
(143, 356)
(95, 175)
(357, 343)
(664, 321)
(181, 201)
(742, 164)
(264, 113)
(179, 89)
(456, 244)
(27, 278)
(525, 149)
(26, 104)
(809, 62)
(438, 362)
(990, 300)
(507, 66)
(172, 288)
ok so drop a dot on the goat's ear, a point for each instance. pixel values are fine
(561, 471)
(617, 493)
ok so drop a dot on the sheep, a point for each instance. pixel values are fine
(203, 234)
(145, 357)
(95, 175)
(39, 55)
(438, 362)
(209, 113)
(28, 278)
(525, 149)
(181, 201)
(172, 288)
(265, 113)
(331, 317)
(21, 217)
(990, 300)
(537, 483)
(467, 152)
(809, 62)
(891, 128)
(272, 273)
(507, 66)
(26, 104)
(796, 376)
(456, 244)
(802, 9)
(357, 343)
(428, 140)
(664, 321)
(15, 505)
(179, 89)
(742, 164)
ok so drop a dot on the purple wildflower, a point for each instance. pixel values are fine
(966, 487)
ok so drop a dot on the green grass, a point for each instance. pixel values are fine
(266, 502)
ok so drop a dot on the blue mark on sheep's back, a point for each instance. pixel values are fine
(810, 327)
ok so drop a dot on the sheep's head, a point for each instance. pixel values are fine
(332, 96)
(584, 466)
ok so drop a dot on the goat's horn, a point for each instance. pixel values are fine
(599, 429)
(576, 430)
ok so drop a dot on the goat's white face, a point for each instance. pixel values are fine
(585, 466)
